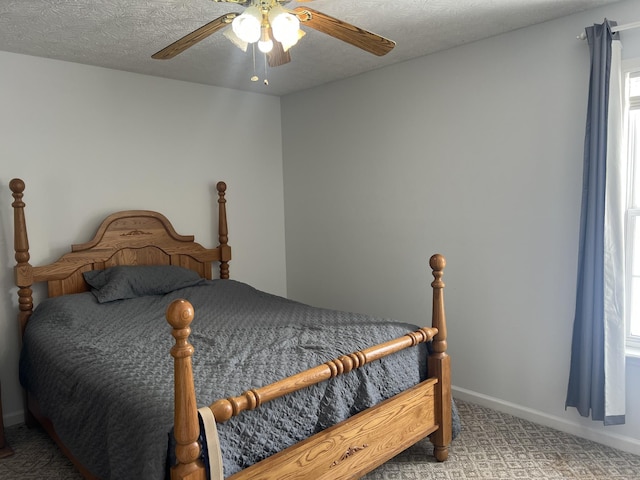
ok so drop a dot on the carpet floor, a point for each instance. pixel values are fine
(492, 445)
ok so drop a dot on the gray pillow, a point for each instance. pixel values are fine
(117, 283)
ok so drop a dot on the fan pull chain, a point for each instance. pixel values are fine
(266, 80)
(254, 78)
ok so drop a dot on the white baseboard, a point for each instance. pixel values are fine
(13, 418)
(613, 440)
(621, 442)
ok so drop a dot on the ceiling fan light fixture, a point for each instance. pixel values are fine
(276, 30)
(299, 35)
(285, 26)
(265, 44)
(247, 25)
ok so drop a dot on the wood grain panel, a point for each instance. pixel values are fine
(352, 448)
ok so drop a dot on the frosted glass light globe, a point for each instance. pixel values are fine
(247, 25)
(284, 25)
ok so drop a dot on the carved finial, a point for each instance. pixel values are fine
(180, 314)
(437, 262)
(221, 187)
(16, 185)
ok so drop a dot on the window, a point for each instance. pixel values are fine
(632, 243)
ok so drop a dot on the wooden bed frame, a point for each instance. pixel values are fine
(347, 450)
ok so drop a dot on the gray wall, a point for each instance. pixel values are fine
(476, 153)
(89, 141)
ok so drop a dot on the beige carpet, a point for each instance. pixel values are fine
(492, 445)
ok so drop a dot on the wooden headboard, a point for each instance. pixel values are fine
(131, 237)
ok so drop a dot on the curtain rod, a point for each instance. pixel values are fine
(616, 28)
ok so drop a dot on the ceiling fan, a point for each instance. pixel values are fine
(275, 30)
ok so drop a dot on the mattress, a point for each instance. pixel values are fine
(103, 375)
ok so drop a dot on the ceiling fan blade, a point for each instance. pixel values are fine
(194, 37)
(346, 32)
(277, 56)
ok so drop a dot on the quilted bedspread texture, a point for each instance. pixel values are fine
(104, 376)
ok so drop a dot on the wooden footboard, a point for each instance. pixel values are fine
(347, 450)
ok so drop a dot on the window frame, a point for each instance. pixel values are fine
(632, 341)
(630, 68)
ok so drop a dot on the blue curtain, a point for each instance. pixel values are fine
(586, 389)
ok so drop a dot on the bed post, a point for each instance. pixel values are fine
(186, 426)
(440, 364)
(225, 250)
(23, 271)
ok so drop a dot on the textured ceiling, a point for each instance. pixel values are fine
(123, 34)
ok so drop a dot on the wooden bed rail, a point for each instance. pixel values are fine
(226, 408)
(186, 428)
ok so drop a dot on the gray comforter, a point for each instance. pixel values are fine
(103, 373)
